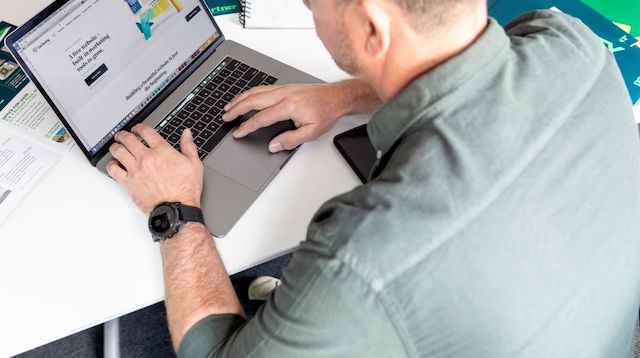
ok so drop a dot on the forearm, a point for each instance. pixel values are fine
(357, 97)
(196, 282)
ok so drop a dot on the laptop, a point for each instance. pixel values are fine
(107, 65)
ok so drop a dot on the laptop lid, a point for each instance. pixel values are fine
(105, 65)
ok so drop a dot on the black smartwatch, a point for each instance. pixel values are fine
(167, 218)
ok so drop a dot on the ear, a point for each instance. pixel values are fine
(378, 27)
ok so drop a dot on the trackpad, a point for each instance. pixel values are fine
(247, 160)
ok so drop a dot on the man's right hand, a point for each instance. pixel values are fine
(314, 109)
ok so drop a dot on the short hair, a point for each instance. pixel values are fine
(426, 13)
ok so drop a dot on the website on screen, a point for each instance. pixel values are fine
(103, 61)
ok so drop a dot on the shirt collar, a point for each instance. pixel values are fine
(410, 106)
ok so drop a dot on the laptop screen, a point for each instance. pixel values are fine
(102, 61)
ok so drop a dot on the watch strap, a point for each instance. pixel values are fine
(190, 213)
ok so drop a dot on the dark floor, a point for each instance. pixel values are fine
(144, 333)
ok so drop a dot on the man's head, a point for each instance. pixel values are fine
(372, 38)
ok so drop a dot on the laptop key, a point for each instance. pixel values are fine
(208, 118)
(206, 134)
(257, 80)
(233, 65)
(178, 121)
(197, 100)
(214, 111)
(168, 129)
(216, 94)
(227, 97)
(243, 67)
(190, 122)
(211, 86)
(205, 93)
(199, 141)
(234, 90)
(271, 80)
(237, 74)
(173, 138)
(229, 81)
(190, 107)
(181, 115)
(225, 73)
(210, 101)
(223, 87)
(195, 132)
(217, 79)
(213, 141)
(164, 133)
(241, 83)
(204, 108)
(196, 116)
(248, 76)
(213, 126)
(200, 125)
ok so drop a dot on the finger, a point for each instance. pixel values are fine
(122, 155)
(291, 139)
(254, 102)
(262, 119)
(116, 172)
(242, 96)
(187, 146)
(150, 136)
(131, 142)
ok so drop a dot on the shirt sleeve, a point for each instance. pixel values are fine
(317, 311)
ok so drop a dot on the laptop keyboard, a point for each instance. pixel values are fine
(203, 108)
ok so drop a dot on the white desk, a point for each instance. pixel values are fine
(76, 252)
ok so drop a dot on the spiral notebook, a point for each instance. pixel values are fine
(275, 14)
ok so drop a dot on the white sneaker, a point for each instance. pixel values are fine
(261, 287)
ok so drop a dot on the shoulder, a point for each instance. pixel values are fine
(563, 34)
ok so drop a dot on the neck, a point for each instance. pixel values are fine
(414, 55)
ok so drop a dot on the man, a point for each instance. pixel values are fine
(501, 216)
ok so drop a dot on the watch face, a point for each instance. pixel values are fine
(163, 220)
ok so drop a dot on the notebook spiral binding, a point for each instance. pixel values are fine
(245, 9)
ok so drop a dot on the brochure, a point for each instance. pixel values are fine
(12, 78)
(23, 110)
(22, 163)
(32, 139)
(618, 41)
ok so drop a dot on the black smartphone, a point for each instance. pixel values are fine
(356, 148)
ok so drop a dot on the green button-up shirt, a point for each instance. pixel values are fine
(501, 219)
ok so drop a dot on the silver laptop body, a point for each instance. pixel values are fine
(236, 170)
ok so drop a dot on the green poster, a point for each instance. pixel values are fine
(12, 78)
(220, 7)
(624, 13)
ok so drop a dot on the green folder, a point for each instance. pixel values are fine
(624, 13)
(221, 7)
(620, 42)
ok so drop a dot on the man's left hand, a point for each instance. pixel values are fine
(157, 172)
